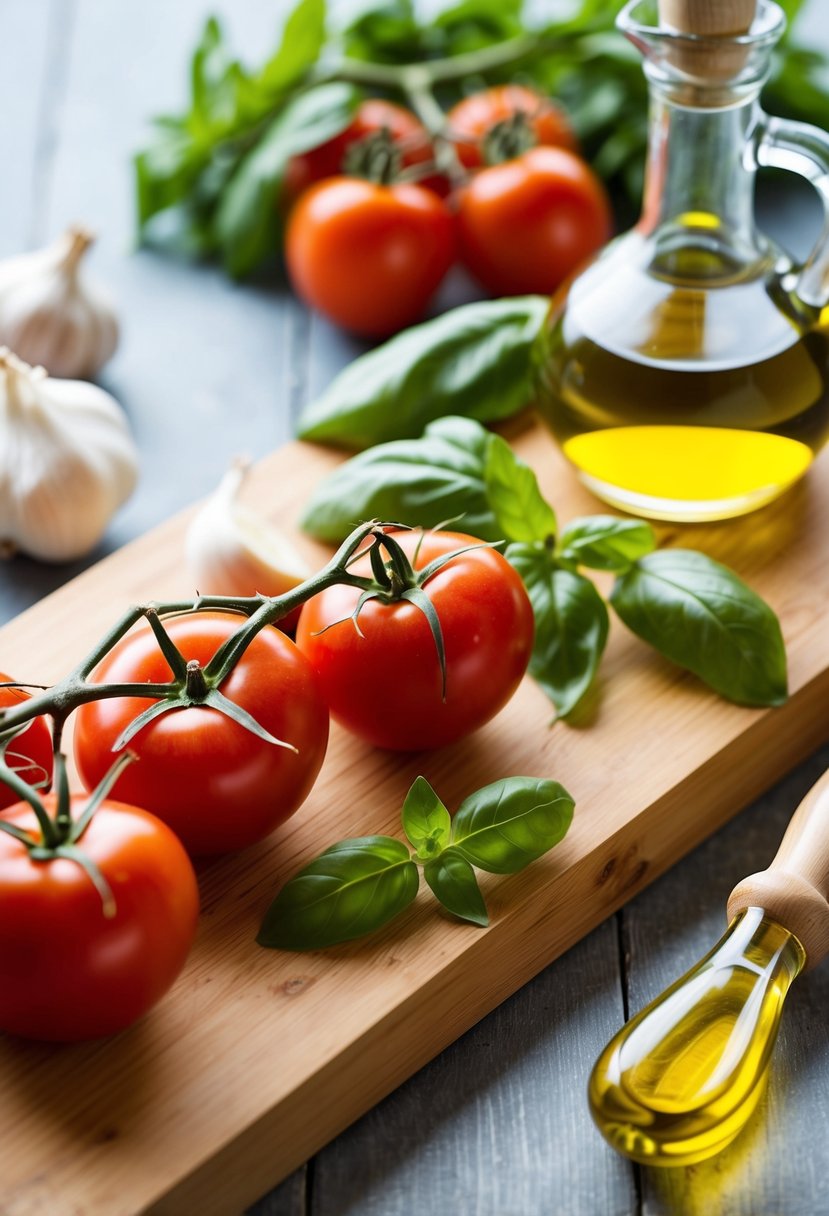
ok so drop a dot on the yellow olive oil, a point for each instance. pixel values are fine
(680, 1081)
(690, 390)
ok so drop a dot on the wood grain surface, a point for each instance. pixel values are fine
(173, 1115)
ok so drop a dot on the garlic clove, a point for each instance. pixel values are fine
(67, 462)
(231, 551)
(51, 315)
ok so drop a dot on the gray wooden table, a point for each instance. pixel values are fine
(497, 1125)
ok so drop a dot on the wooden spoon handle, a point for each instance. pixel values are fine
(794, 890)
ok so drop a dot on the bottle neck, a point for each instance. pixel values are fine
(699, 188)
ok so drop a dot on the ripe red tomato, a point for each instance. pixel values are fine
(69, 972)
(30, 753)
(386, 685)
(217, 785)
(373, 116)
(369, 256)
(471, 120)
(526, 224)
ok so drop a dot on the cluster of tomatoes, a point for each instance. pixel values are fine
(370, 254)
(202, 784)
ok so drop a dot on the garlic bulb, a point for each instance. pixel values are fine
(67, 461)
(230, 551)
(51, 315)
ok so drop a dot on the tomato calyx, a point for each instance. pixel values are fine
(396, 579)
(60, 836)
(380, 158)
(192, 685)
(375, 157)
(509, 138)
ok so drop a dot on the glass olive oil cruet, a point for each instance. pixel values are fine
(686, 371)
(679, 1082)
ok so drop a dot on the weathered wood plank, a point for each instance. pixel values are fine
(778, 1164)
(290, 1198)
(206, 368)
(498, 1124)
(27, 52)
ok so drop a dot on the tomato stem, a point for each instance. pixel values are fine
(195, 685)
(396, 579)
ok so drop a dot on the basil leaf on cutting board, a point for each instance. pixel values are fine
(506, 825)
(606, 542)
(359, 885)
(699, 614)
(521, 511)
(422, 482)
(355, 887)
(426, 821)
(571, 626)
(475, 361)
(453, 882)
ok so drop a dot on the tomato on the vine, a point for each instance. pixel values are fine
(384, 682)
(471, 120)
(29, 753)
(407, 133)
(525, 225)
(218, 786)
(369, 256)
(68, 969)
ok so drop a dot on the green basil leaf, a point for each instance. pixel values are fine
(521, 511)
(571, 626)
(165, 170)
(453, 881)
(302, 40)
(475, 361)
(426, 821)
(353, 888)
(606, 542)
(384, 31)
(248, 221)
(506, 825)
(212, 87)
(702, 616)
(422, 482)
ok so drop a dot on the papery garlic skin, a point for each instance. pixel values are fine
(51, 315)
(231, 551)
(67, 462)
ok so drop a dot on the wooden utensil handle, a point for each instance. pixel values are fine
(794, 890)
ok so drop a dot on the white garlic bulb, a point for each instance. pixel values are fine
(51, 315)
(67, 462)
(231, 551)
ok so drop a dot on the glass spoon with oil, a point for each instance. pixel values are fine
(682, 1078)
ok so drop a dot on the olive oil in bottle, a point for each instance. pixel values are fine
(687, 1073)
(690, 396)
(685, 372)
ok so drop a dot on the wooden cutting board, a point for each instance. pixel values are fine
(257, 1058)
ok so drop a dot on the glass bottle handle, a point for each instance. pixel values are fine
(803, 149)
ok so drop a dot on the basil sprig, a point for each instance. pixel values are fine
(359, 885)
(474, 361)
(690, 608)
